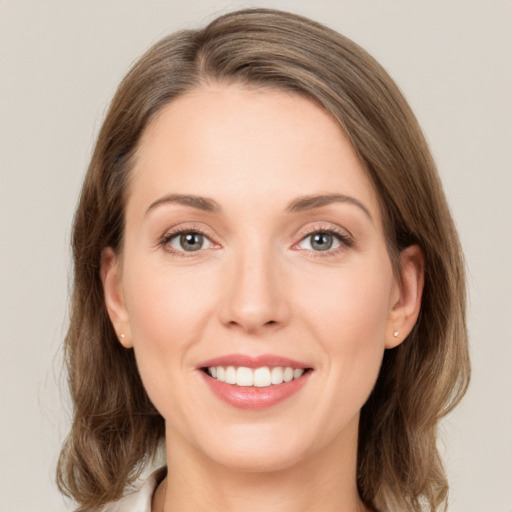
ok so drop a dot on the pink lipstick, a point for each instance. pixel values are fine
(254, 383)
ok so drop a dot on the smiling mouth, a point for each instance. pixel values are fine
(261, 377)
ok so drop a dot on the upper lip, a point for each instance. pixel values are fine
(270, 360)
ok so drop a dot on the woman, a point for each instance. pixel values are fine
(267, 276)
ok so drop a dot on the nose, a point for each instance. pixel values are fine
(255, 294)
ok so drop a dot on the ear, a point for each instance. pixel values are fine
(407, 298)
(111, 274)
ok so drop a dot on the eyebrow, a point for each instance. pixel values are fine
(202, 203)
(300, 204)
(312, 202)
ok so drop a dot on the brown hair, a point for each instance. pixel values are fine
(115, 428)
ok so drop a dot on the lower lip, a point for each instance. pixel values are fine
(254, 398)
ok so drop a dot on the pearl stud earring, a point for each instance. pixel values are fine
(395, 334)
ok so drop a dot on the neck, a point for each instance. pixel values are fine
(325, 481)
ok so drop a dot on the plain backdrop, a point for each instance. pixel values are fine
(60, 62)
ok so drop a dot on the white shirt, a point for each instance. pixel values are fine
(139, 500)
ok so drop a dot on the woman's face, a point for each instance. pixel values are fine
(253, 241)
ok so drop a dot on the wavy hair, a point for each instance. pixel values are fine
(115, 428)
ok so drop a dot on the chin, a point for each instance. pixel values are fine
(257, 449)
(258, 460)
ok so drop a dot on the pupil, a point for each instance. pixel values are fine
(191, 241)
(322, 241)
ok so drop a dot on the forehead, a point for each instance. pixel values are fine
(246, 145)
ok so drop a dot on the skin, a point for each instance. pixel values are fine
(257, 286)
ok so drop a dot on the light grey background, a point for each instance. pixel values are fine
(60, 62)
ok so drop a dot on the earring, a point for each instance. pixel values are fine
(395, 334)
(122, 336)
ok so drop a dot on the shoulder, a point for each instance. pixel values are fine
(140, 499)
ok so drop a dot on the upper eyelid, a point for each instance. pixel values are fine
(342, 238)
(325, 228)
(173, 234)
(187, 228)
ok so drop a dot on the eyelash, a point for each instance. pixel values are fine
(345, 240)
(170, 235)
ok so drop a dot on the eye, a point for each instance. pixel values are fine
(322, 241)
(189, 241)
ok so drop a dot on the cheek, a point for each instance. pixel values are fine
(164, 302)
(349, 320)
(352, 307)
(168, 310)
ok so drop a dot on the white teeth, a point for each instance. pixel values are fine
(257, 377)
(244, 376)
(230, 377)
(277, 375)
(288, 374)
(262, 377)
